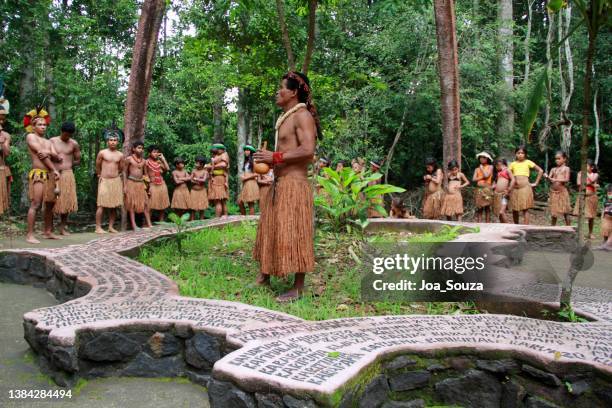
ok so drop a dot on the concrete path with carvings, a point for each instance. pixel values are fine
(280, 352)
(18, 370)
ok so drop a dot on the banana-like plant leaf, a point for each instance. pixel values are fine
(533, 105)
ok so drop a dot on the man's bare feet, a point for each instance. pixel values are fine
(112, 230)
(50, 235)
(262, 280)
(290, 296)
(32, 240)
(99, 230)
(65, 232)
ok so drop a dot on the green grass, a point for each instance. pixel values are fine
(218, 264)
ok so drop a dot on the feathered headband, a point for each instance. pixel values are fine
(31, 116)
(113, 132)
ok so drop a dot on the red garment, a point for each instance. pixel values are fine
(155, 168)
(504, 174)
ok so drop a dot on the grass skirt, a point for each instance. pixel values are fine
(372, 213)
(66, 202)
(4, 199)
(521, 198)
(285, 235)
(483, 197)
(559, 203)
(110, 192)
(590, 206)
(432, 204)
(216, 188)
(497, 203)
(452, 204)
(250, 191)
(606, 226)
(135, 196)
(42, 176)
(263, 192)
(198, 199)
(159, 198)
(181, 198)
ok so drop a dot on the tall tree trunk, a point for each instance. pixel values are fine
(566, 94)
(218, 120)
(241, 133)
(448, 68)
(259, 130)
(280, 8)
(505, 128)
(528, 38)
(596, 115)
(249, 139)
(141, 73)
(581, 247)
(545, 132)
(312, 15)
(398, 134)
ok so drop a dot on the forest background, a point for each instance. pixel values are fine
(373, 73)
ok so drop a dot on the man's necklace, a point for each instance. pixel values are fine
(282, 119)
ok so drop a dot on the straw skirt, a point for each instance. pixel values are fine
(521, 198)
(452, 204)
(432, 204)
(483, 197)
(110, 192)
(606, 226)
(216, 188)
(66, 202)
(4, 198)
(590, 206)
(159, 198)
(181, 198)
(135, 196)
(198, 200)
(250, 191)
(285, 235)
(559, 202)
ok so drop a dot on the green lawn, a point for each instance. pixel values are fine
(218, 264)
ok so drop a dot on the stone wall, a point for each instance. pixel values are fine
(411, 380)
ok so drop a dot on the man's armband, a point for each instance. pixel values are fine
(277, 158)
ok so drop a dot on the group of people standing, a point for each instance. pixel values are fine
(501, 187)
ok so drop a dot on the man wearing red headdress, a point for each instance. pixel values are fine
(42, 186)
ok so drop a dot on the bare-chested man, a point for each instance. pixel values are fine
(70, 152)
(285, 235)
(41, 185)
(218, 184)
(5, 150)
(109, 166)
(136, 198)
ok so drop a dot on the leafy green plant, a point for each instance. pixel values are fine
(568, 313)
(345, 197)
(181, 224)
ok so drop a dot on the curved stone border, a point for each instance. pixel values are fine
(127, 319)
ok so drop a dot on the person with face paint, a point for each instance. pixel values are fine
(249, 194)
(42, 186)
(558, 197)
(218, 183)
(483, 195)
(181, 197)
(591, 202)
(109, 167)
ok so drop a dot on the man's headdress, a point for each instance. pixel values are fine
(31, 116)
(216, 146)
(250, 147)
(113, 132)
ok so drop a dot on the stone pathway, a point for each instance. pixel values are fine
(127, 319)
(18, 371)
